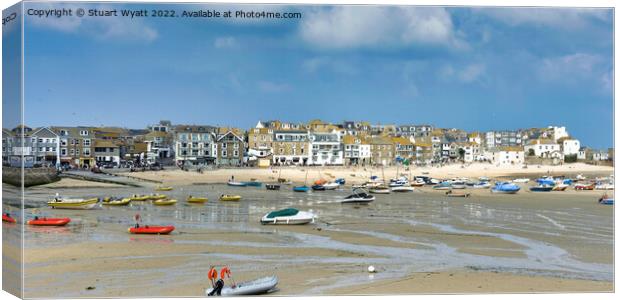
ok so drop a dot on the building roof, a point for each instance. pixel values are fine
(351, 139)
(510, 148)
(105, 143)
(381, 140)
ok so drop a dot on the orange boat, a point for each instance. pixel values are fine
(7, 218)
(49, 221)
(151, 229)
(320, 181)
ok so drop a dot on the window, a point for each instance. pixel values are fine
(236, 145)
(41, 149)
(72, 152)
(63, 151)
(83, 132)
(77, 151)
(64, 133)
(236, 153)
(40, 140)
(86, 151)
(86, 142)
(224, 153)
(224, 146)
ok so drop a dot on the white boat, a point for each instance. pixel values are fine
(402, 181)
(380, 190)
(521, 180)
(604, 186)
(459, 185)
(358, 196)
(482, 185)
(255, 287)
(66, 203)
(236, 183)
(331, 186)
(289, 216)
(402, 189)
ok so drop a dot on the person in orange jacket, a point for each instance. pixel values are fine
(217, 285)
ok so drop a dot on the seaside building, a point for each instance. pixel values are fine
(260, 146)
(290, 147)
(195, 144)
(599, 155)
(507, 155)
(159, 145)
(424, 151)
(504, 138)
(414, 130)
(469, 152)
(404, 149)
(356, 150)
(569, 146)
(76, 146)
(37, 147)
(382, 150)
(383, 129)
(278, 125)
(544, 148)
(107, 151)
(231, 147)
(325, 149)
(356, 128)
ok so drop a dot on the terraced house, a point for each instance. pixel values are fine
(76, 146)
(260, 146)
(290, 147)
(195, 144)
(325, 149)
(404, 149)
(356, 150)
(38, 147)
(382, 150)
(231, 147)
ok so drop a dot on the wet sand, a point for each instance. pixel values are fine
(420, 242)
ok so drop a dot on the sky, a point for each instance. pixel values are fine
(472, 68)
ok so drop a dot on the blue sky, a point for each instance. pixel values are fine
(470, 68)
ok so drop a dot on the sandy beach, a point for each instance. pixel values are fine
(420, 242)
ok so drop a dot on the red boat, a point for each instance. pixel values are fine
(6, 218)
(584, 187)
(151, 229)
(49, 221)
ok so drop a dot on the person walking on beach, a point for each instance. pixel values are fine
(217, 285)
(137, 218)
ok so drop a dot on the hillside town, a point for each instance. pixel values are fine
(277, 143)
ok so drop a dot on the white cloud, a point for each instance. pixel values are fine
(576, 68)
(273, 87)
(343, 27)
(225, 42)
(556, 17)
(98, 28)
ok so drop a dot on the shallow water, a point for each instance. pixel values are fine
(565, 235)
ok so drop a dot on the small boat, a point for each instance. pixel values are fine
(236, 183)
(445, 185)
(380, 190)
(604, 186)
(331, 186)
(560, 187)
(66, 203)
(340, 181)
(141, 197)
(547, 180)
(288, 216)
(302, 188)
(253, 183)
(418, 183)
(156, 197)
(318, 187)
(541, 188)
(402, 181)
(580, 177)
(481, 185)
(584, 186)
(521, 180)
(255, 287)
(117, 202)
(459, 185)
(151, 229)
(230, 198)
(7, 218)
(403, 189)
(192, 199)
(164, 202)
(505, 188)
(49, 221)
(272, 187)
(483, 178)
(164, 188)
(606, 200)
(450, 193)
(359, 196)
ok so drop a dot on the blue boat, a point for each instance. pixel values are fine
(253, 183)
(607, 201)
(541, 188)
(545, 181)
(505, 188)
(302, 188)
(318, 187)
(340, 181)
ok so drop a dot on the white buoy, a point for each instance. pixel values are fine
(371, 269)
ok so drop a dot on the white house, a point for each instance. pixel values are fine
(325, 148)
(600, 155)
(558, 132)
(544, 148)
(570, 146)
(356, 150)
(510, 155)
